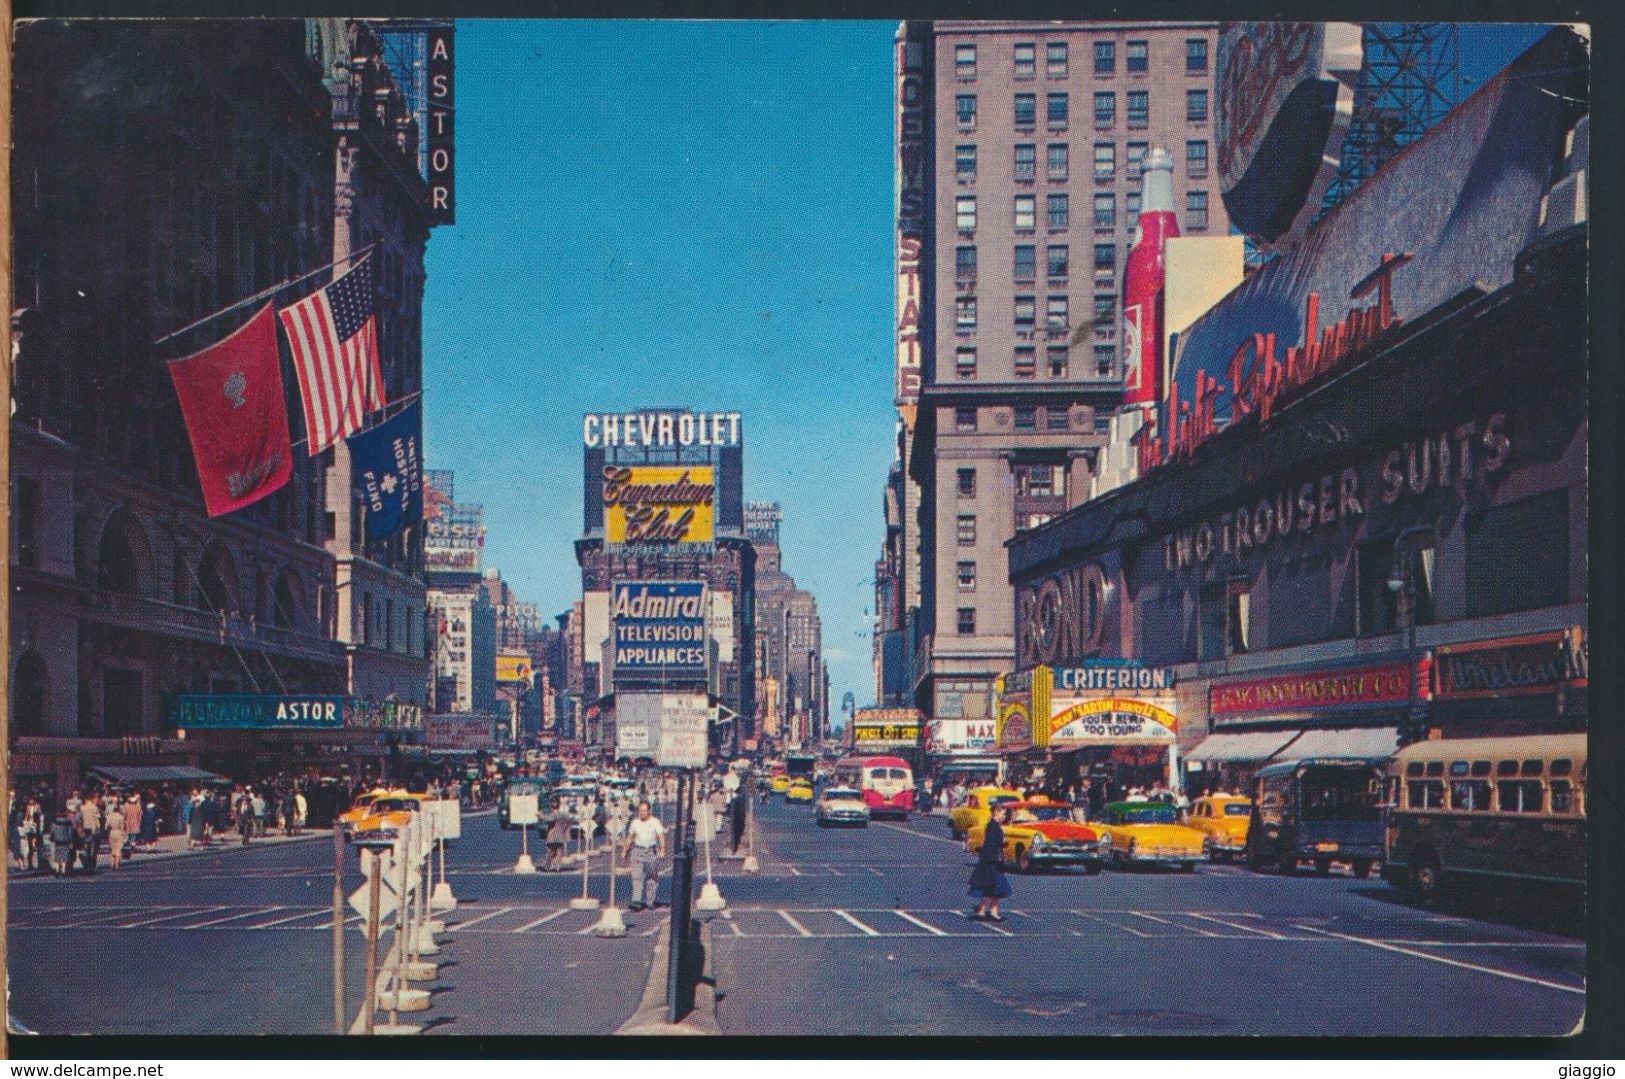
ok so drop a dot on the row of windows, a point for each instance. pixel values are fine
(1027, 419)
(1058, 211)
(1057, 160)
(1025, 365)
(1057, 261)
(1058, 109)
(1137, 58)
(1056, 313)
(1558, 796)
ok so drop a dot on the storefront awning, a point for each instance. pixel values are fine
(1243, 746)
(156, 773)
(966, 764)
(1367, 743)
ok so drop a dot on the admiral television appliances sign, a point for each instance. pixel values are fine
(659, 628)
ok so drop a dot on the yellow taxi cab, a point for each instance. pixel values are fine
(977, 807)
(387, 815)
(1223, 819)
(1044, 833)
(780, 784)
(358, 808)
(1149, 833)
(799, 790)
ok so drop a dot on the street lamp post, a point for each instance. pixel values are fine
(1402, 582)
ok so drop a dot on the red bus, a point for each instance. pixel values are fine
(887, 783)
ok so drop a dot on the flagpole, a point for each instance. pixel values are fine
(262, 294)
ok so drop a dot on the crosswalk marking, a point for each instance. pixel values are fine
(1232, 925)
(907, 917)
(797, 926)
(234, 917)
(543, 920)
(866, 929)
(483, 917)
(191, 912)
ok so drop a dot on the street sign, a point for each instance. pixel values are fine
(447, 817)
(522, 809)
(685, 720)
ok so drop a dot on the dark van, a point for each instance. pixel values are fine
(1320, 810)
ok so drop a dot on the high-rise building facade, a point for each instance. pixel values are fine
(789, 637)
(1020, 152)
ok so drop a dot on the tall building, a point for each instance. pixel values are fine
(164, 171)
(789, 637)
(1020, 152)
(382, 212)
(462, 610)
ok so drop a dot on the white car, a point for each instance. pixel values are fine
(842, 805)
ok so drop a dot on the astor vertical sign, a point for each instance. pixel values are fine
(442, 127)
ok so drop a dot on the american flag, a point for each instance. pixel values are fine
(334, 336)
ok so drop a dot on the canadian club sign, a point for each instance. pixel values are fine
(658, 505)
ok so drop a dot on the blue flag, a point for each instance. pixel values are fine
(388, 462)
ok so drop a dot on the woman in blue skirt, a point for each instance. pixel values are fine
(988, 880)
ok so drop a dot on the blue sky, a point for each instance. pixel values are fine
(692, 214)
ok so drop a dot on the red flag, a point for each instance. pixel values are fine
(236, 415)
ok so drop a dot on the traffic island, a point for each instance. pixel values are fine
(650, 1018)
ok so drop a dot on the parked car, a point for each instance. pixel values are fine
(842, 805)
(1223, 818)
(1149, 833)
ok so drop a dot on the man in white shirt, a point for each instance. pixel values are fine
(645, 848)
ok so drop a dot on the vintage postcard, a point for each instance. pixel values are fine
(823, 528)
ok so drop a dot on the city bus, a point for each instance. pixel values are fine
(887, 783)
(1501, 809)
(800, 765)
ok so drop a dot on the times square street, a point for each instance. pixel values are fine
(849, 931)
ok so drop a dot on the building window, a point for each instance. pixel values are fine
(1057, 369)
(389, 625)
(965, 61)
(1057, 262)
(1057, 161)
(1055, 416)
(1105, 309)
(1196, 106)
(1196, 209)
(1196, 157)
(965, 362)
(1026, 212)
(965, 213)
(1105, 161)
(1026, 161)
(967, 621)
(1043, 481)
(1106, 257)
(1058, 215)
(967, 576)
(1138, 58)
(25, 501)
(965, 106)
(1026, 361)
(1517, 554)
(966, 480)
(1105, 211)
(965, 312)
(1055, 313)
(1378, 603)
(1105, 108)
(1026, 110)
(1058, 109)
(966, 530)
(1026, 262)
(1026, 312)
(1055, 59)
(965, 163)
(1105, 360)
(965, 263)
(1131, 207)
(1195, 55)
(1027, 418)
(965, 418)
(1105, 58)
(1237, 618)
(1136, 159)
(1026, 61)
(1139, 108)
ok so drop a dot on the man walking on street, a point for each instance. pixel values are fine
(90, 831)
(645, 848)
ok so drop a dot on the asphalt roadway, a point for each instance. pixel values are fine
(863, 931)
(852, 931)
